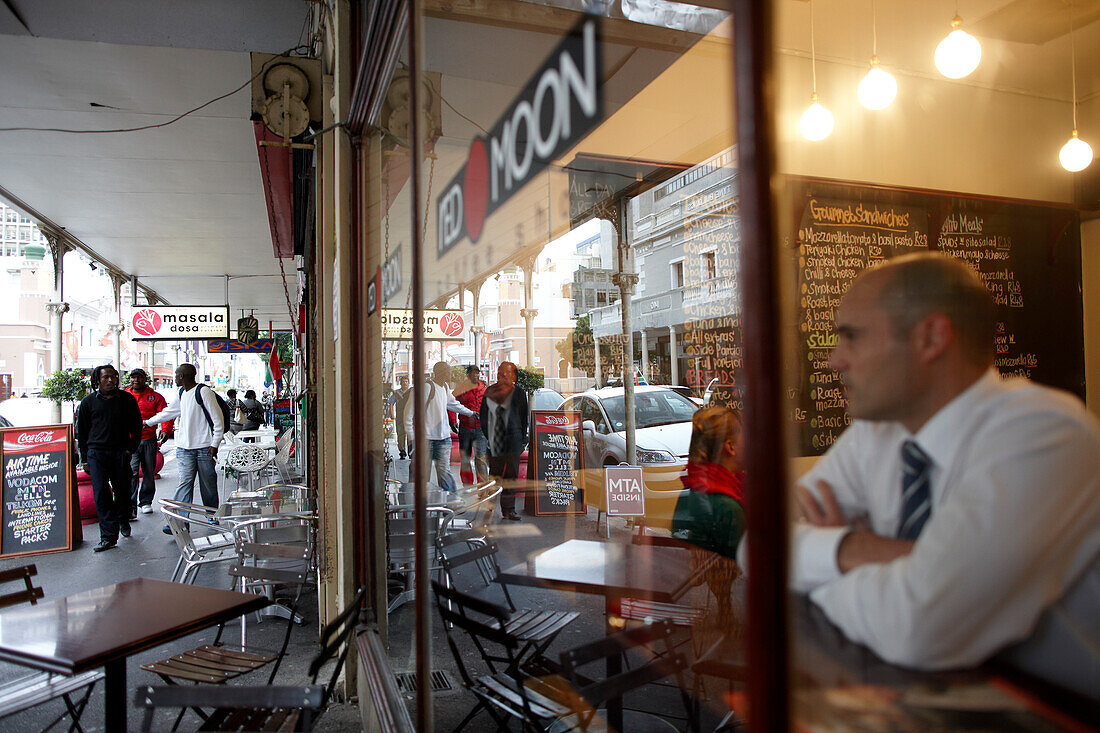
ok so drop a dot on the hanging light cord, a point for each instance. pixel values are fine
(813, 51)
(1073, 66)
(874, 31)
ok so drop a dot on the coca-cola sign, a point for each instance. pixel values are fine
(34, 439)
(558, 421)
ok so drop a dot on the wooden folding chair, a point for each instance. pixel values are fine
(264, 708)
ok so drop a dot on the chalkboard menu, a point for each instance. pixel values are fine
(712, 294)
(36, 476)
(1028, 255)
(558, 457)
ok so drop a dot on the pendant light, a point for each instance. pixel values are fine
(878, 88)
(959, 53)
(817, 121)
(1076, 154)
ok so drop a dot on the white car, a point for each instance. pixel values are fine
(662, 420)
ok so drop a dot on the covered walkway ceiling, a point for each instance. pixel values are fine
(179, 206)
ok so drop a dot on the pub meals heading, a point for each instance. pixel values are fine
(560, 104)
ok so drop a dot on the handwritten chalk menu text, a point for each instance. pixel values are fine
(1029, 256)
(35, 471)
(557, 453)
(712, 341)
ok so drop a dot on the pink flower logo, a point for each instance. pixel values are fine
(450, 324)
(147, 322)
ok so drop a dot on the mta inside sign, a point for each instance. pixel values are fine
(625, 491)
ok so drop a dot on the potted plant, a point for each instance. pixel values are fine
(67, 385)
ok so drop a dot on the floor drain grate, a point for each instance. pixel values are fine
(406, 682)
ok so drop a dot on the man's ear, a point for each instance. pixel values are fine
(932, 336)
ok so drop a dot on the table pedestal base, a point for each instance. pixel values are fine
(114, 695)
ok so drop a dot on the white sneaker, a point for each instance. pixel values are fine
(146, 509)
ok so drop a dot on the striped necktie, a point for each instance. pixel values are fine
(498, 430)
(916, 498)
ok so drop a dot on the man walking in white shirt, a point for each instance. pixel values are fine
(437, 428)
(198, 434)
(959, 515)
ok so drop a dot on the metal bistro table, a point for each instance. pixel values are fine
(615, 571)
(105, 626)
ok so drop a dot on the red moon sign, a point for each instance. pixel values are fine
(450, 324)
(475, 189)
(146, 322)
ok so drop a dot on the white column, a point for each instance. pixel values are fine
(57, 308)
(645, 356)
(528, 312)
(596, 346)
(674, 365)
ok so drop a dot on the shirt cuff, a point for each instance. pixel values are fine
(813, 553)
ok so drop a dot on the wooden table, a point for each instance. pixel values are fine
(615, 571)
(105, 626)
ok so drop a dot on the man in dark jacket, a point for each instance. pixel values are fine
(108, 430)
(504, 421)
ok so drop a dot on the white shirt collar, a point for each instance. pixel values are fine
(939, 436)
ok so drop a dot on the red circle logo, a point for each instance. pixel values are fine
(450, 324)
(147, 322)
(475, 189)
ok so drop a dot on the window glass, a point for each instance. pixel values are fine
(579, 174)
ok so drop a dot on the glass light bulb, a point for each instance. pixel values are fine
(816, 122)
(959, 53)
(1076, 154)
(878, 88)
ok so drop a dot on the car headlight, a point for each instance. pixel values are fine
(655, 456)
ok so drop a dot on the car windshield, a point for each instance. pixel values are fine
(660, 407)
(547, 399)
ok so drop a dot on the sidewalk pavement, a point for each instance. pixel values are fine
(150, 553)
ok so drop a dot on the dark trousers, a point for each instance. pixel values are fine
(144, 460)
(506, 468)
(110, 474)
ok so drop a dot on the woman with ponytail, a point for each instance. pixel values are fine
(712, 515)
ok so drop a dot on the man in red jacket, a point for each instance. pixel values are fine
(145, 458)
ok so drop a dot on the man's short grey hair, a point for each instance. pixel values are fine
(916, 285)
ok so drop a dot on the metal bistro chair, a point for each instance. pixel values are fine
(195, 550)
(401, 551)
(268, 553)
(534, 630)
(502, 695)
(248, 460)
(35, 689)
(264, 708)
(281, 461)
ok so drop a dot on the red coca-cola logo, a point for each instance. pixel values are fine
(451, 324)
(557, 420)
(147, 322)
(33, 441)
(34, 438)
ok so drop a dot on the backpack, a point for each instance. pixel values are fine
(255, 414)
(222, 405)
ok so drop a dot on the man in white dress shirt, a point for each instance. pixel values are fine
(958, 517)
(437, 427)
(198, 435)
